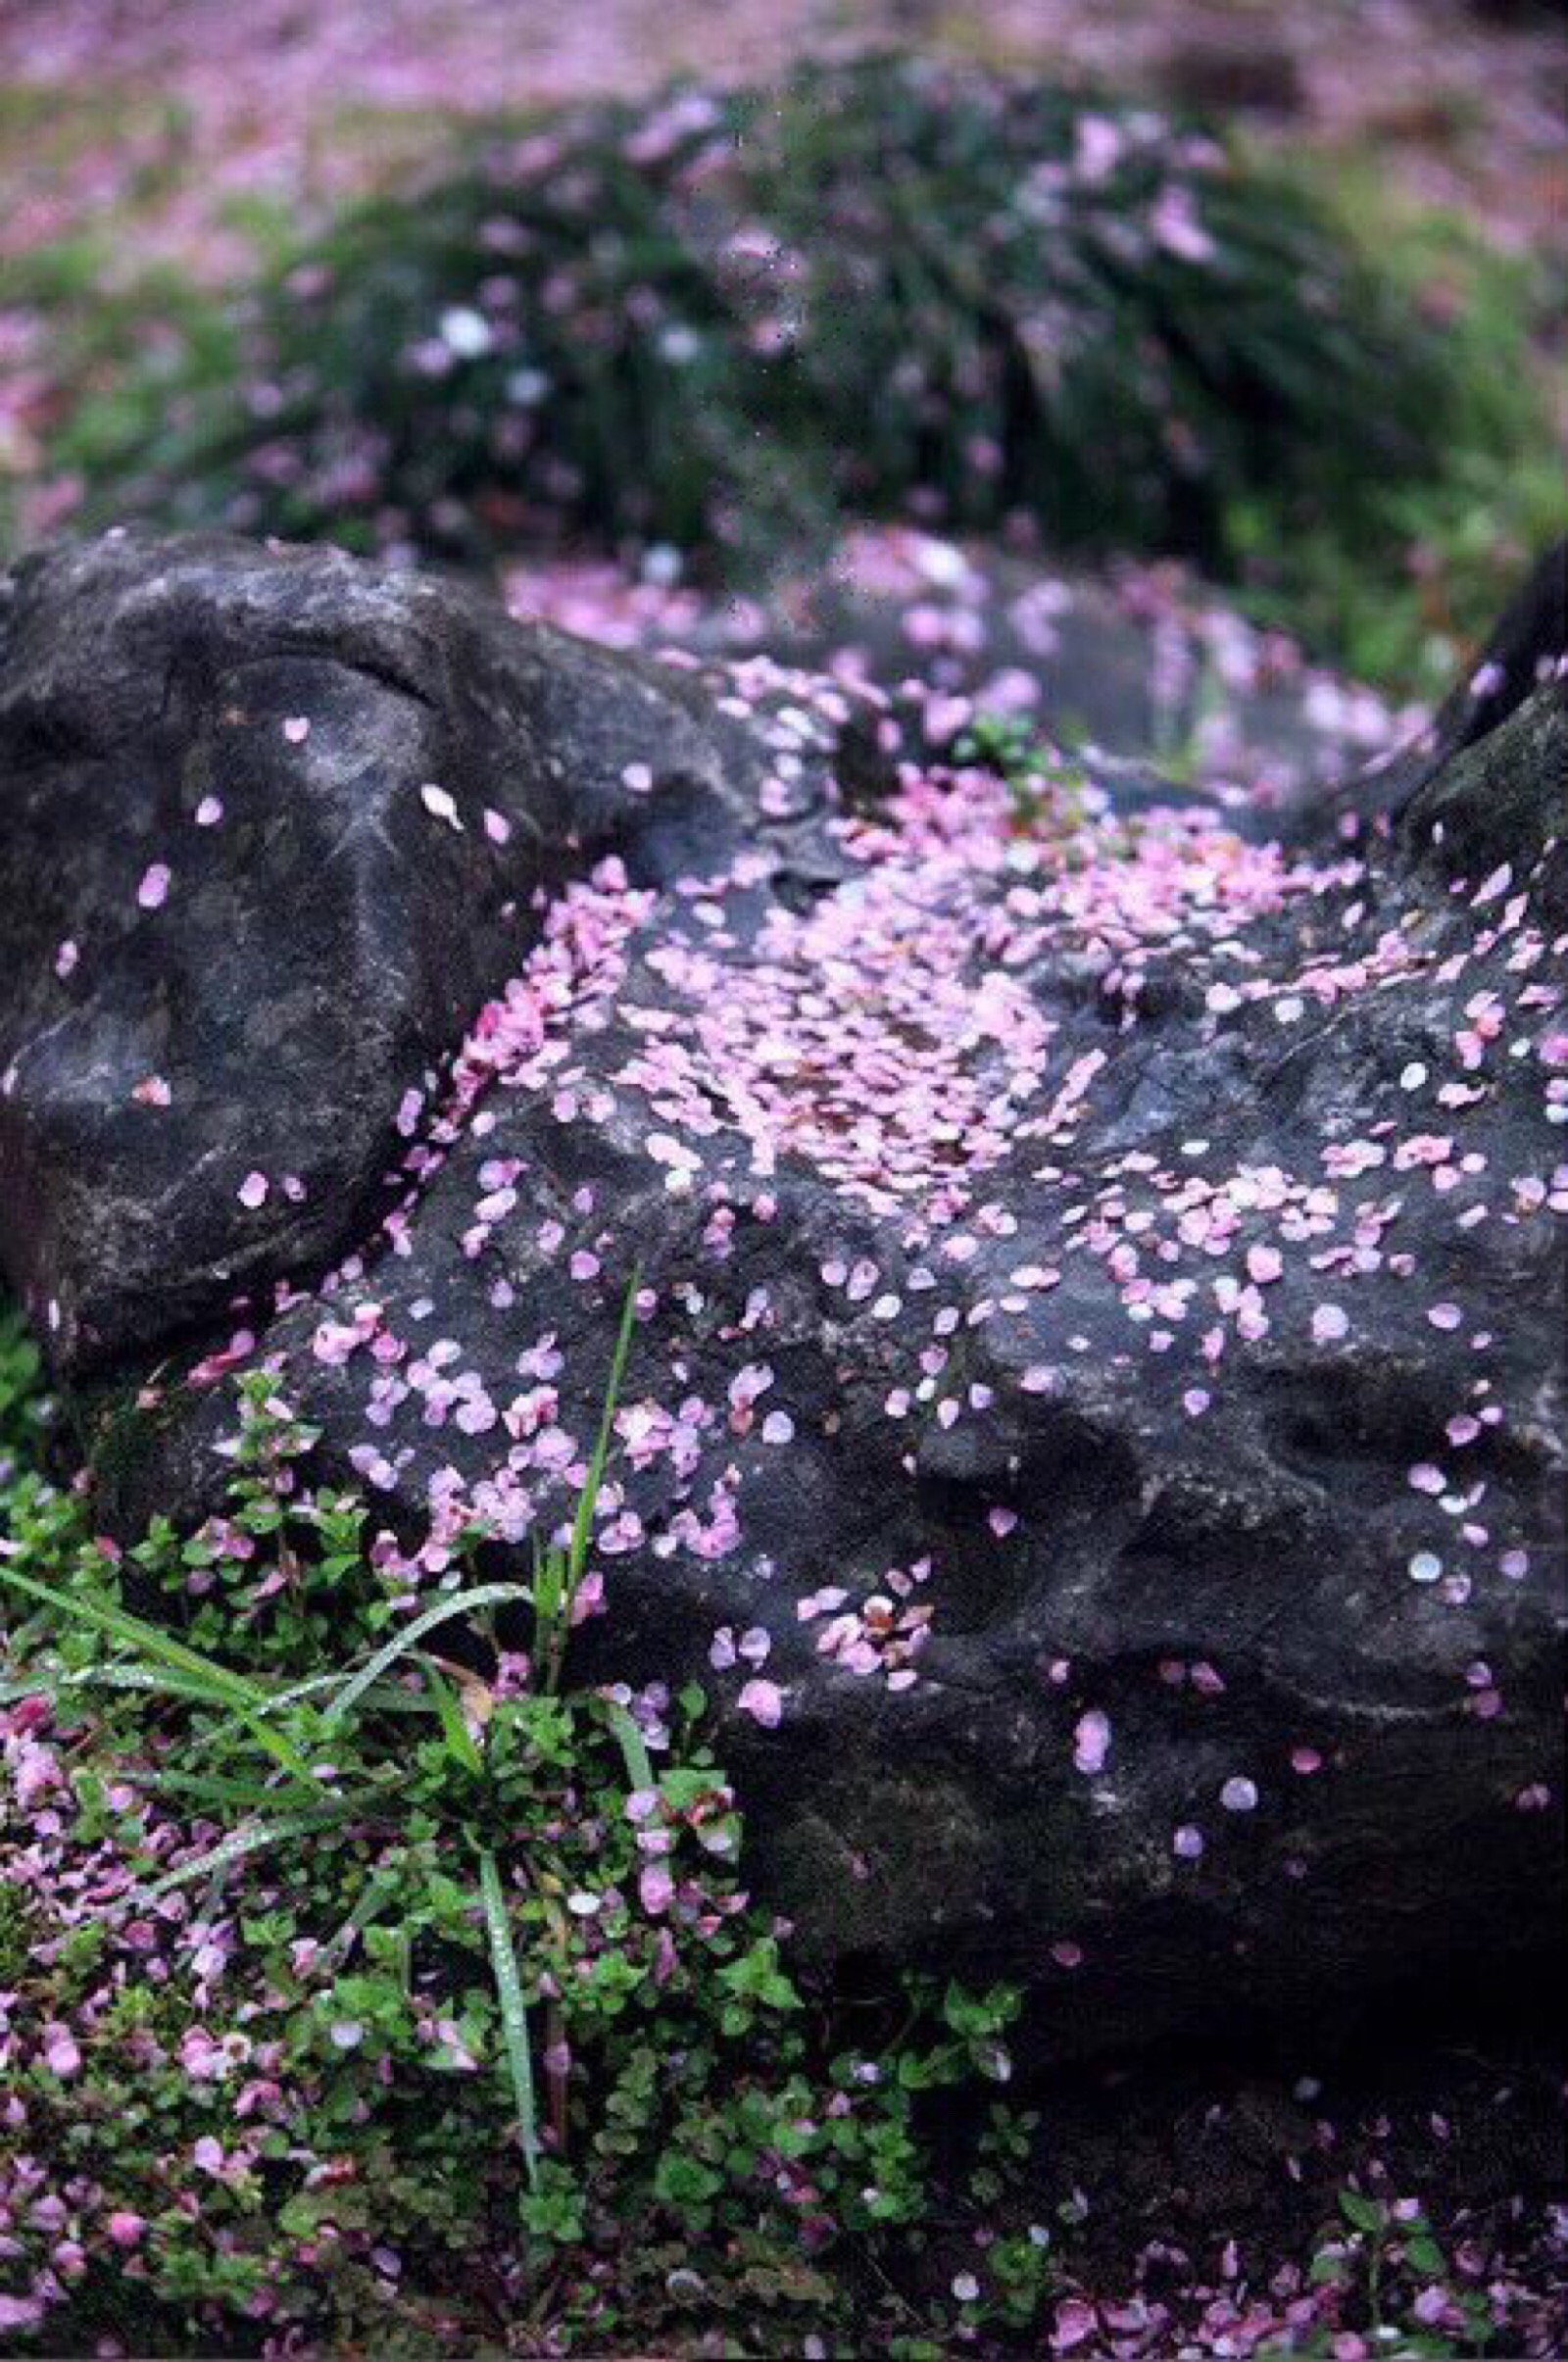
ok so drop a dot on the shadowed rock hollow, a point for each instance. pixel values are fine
(1094, 1420)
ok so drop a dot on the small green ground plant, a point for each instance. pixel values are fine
(1384, 2256)
(420, 2003)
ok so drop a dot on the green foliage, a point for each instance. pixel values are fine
(1046, 786)
(19, 1416)
(1385, 2260)
(1450, 545)
(483, 1991)
(717, 320)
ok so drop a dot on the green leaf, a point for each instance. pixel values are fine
(514, 2010)
(454, 1731)
(1425, 2256)
(588, 1499)
(1363, 2214)
(633, 1749)
(976, 2015)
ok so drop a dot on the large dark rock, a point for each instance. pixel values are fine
(272, 825)
(1097, 1416)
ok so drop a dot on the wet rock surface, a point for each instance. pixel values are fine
(1095, 1421)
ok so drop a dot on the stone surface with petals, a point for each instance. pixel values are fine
(273, 826)
(1095, 1422)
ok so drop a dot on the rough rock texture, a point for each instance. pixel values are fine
(1097, 1416)
(274, 827)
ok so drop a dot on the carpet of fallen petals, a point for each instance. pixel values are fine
(893, 1039)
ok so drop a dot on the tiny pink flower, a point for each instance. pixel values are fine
(1090, 1742)
(763, 1700)
(60, 2052)
(657, 1889)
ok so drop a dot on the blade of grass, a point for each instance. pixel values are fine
(548, 1576)
(514, 2010)
(378, 1890)
(165, 1683)
(385, 1701)
(211, 1903)
(222, 1687)
(550, 1626)
(246, 1841)
(206, 1788)
(454, 1731)
(588, 1499)
(462, 1602)
(274, 1743)
(113, 1675)
(148, 1638)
